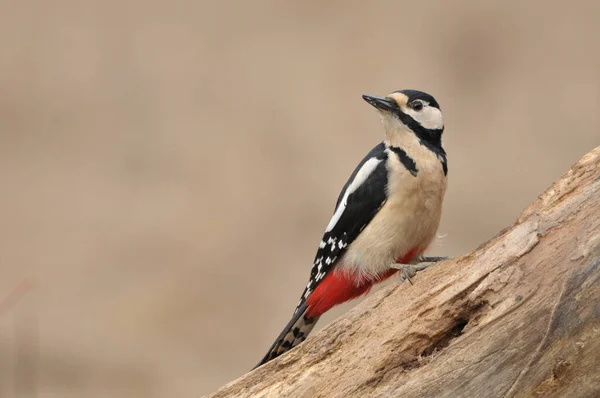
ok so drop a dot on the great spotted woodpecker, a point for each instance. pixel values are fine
(386, 215)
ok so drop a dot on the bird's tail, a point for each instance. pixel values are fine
(294, 333)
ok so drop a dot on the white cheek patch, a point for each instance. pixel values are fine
(430, 118)
(362, 175)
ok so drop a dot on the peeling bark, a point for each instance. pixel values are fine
(518, 317)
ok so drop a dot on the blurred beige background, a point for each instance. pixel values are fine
(167, 168)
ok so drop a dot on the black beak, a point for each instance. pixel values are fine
(381, 103)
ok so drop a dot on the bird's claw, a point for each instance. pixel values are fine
(433, 259)
(408, 271)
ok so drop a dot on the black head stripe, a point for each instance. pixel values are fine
(433, 136)
(419, 95)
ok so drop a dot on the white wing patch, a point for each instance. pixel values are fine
(362, 175)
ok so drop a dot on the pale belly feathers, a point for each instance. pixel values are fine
(407, 221)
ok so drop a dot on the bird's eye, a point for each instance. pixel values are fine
(416, 105)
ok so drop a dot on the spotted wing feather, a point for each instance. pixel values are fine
(359, 208)
(361, 198)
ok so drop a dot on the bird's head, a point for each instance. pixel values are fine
(412, 111)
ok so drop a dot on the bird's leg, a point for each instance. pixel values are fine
(410, 270)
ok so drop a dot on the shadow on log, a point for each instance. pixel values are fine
(518, 317)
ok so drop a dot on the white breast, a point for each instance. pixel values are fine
(408, 220)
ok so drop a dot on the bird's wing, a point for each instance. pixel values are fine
(361, 198)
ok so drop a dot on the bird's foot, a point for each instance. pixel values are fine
(410, 270)
(433, 259)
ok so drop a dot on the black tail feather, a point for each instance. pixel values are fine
(294, 333)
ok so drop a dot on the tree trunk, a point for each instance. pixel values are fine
(518, 317)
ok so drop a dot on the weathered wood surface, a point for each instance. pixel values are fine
(518, 317)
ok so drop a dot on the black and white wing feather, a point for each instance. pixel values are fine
(360, 200)
(363, 195)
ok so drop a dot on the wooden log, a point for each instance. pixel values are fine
(518, 317)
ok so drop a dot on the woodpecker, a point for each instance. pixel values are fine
(386, 215)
